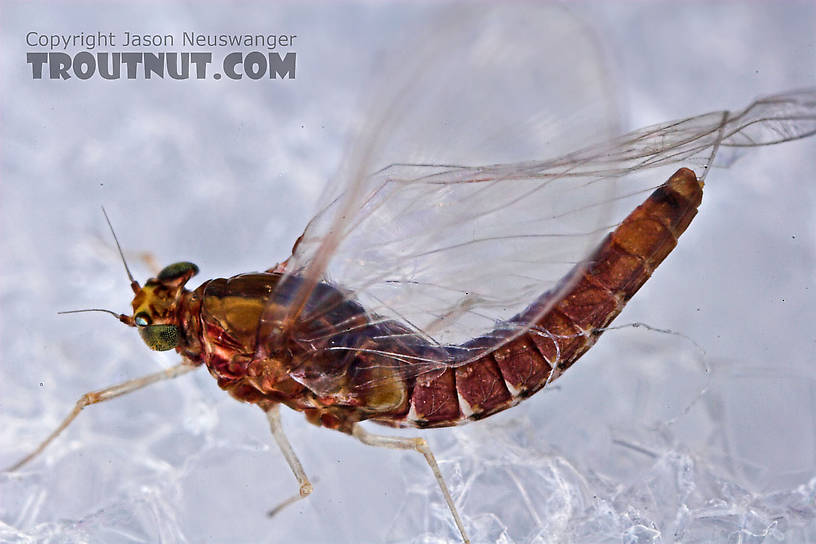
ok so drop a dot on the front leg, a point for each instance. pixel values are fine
(102, 395)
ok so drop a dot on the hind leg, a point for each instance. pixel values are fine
(421, 446)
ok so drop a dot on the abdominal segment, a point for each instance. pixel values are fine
(559, 326)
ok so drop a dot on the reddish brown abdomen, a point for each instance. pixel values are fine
(564, 328)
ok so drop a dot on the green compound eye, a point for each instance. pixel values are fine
(159, 337)
(178, 270)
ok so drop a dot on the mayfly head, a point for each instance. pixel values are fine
(155, 306)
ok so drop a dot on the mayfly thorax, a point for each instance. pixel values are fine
(357, 326)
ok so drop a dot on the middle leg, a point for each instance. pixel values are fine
(305, 486)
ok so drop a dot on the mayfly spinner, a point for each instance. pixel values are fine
(339, 353)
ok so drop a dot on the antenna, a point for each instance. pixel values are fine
(126, 319)
(133, 283)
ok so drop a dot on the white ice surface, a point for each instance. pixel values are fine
(226, 176)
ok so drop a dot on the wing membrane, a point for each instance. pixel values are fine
(442, 252)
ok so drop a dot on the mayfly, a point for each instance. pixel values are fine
(353, 326)
(287, 336)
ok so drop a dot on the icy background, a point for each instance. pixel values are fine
(621, 450)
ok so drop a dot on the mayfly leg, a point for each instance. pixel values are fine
(150, 261)
(102, 395)
(305, 486)
(416, 444)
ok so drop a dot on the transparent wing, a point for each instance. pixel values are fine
(475, 91)
(425, 243)
(440, 251)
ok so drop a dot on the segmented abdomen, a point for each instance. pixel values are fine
(568, 326)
